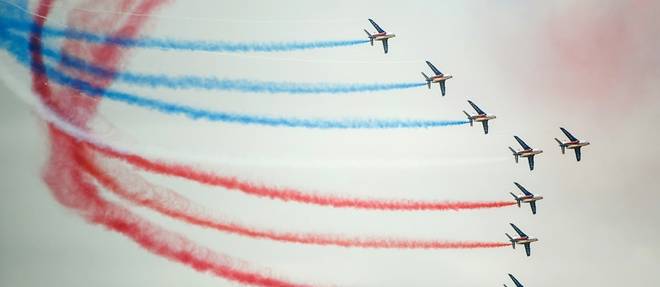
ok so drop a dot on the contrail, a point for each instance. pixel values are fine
(92, 90)
(172, 44)
(135, 189)
(213, 83)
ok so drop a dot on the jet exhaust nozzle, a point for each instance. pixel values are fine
(562, 146)
(515, 154)
(469, 118)
(517, 198)
(428, 80)
(513, 242)
(371, 37)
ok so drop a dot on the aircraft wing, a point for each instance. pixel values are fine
(378, 28)
(485, 124)
(385, 45)
(524, 190)
(528, 249)
(518, 284)
(443, 88)
(522, 234)
(578, 153)
(530, 160)
(479, 111)
(522, 143)
(533, 206)
(435, 70)
(568, 135)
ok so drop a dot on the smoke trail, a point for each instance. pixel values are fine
(92, 90)
(171, 204)
(242, 85)
(72, 189)
(172, 44)
(288, 194)
(213, 83)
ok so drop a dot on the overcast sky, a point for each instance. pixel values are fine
(591, 67)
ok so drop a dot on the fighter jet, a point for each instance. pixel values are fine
(523, 239)
(515, 281)
(527, 152)
(574, 144)
(380, 36)
(438, 78)
(527, 197)
(480, 117)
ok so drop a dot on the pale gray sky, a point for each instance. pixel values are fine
(591, 67)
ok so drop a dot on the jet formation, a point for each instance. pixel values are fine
(482, 117)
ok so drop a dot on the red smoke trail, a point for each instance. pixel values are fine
(289, 194)
(73, 189)
(171, 204)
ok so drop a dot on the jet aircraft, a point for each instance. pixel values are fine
(481, 116)
(515, 281)
(521, 239)
(573, 143)
(381, 35)
(439, 77)
(527, 152)
(527, 197)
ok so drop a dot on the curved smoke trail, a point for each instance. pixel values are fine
(74, 190)
(213, 83)
(169, 203)
(290, 194)
(172, 44)
(92, 90)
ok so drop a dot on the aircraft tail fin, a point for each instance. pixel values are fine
(515, 154)
(371, 37)
(513, 242)
(428, 80)
(469, 118)
(562, 146)
(516, 197)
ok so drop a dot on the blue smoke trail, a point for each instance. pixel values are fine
(171, 44)
(212, 83)
(17, 49)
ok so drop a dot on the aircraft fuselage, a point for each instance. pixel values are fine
(382, 36)
(524, 240)
(530, 198)
(440, 78)
(576, 144)
(482, 118)
(529, 152)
